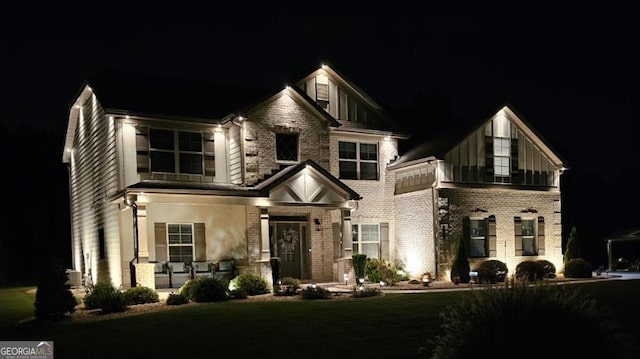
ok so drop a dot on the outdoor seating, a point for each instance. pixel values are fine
(161, 275)
(179, 274)
(201, 269)
(225, 270)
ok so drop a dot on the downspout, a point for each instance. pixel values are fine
(132, 270)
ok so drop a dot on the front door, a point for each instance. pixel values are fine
(289, 241)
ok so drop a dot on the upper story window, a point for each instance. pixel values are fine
(502, 157)
(176, 151)
(358, 160)
(322, 91)
(286, 147)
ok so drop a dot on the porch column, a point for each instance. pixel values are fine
(265, 252)
(347, 238)
(609, 254)
(143, 242)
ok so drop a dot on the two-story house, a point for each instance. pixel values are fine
(175, 171)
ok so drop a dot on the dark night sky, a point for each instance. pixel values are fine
(572, 71)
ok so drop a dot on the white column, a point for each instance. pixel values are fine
(265, 252)
(220, 148)
(347, 239)
(143, 242)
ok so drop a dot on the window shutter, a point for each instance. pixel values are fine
(160, 230)
(337, 243)
(142, 149)
(517, 223)
(491, 236)
(200, 246)
(540, 239)
(515, 172)
(466, 234)
(488, 167)
(384, 240)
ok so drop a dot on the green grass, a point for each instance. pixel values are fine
(16, 304)
(390, 326)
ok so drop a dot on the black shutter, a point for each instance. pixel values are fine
(488, 153)
(540, 237)
(491, 236)
(517, 229)
(515, 171)
(466, 235)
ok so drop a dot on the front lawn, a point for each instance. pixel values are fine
(390, 326)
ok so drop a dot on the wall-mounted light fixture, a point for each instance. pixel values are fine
(529, 210)
(317, 222)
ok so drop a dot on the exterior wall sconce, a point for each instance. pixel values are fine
(529, 210)
(317, 222)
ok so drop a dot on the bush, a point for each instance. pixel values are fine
(548, 267)
(140, 295)
(377, 270)
(492, 271)
(188, 288)
(54, 299)
(315, 292)
(206, 289)
(365, 292)
(530, 270)
(288, 287)
(177, 299)
(460, 266)
(359, 263)
(250, 284)
(106, 297)
(521, 315)
(578, 268)
(572, 251)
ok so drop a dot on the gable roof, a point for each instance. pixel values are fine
(436, 145)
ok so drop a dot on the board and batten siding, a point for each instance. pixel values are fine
(94, 177)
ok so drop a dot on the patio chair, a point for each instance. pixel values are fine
(179, 274)
(201, 269)
(225, 270)
(161, 275)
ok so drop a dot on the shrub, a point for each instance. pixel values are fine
(54, 299)
(578, 268)
(377, 270)
(359, 263)
(208, 289)
(250, 284)
(492, 271)
(188, 288)
(460, 266)
(530, 270)
(288, 287)
(365, 292)
(520, 316)
(572, 251)
(548, 267)
(177, 299)
(106, 297)
(315, 292)
(140, 295)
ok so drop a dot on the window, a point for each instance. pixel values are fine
(358, 160)
(478, 238)
(180, 242)
(366, 239)
(528, 237)
(501, 156)
(166, 156)
(286, 147)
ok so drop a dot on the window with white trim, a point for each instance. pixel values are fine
(502, 157)
(180, 242)
(358, 160)
(176, 151)
(478, 238)
(366, 239)
(528, 237)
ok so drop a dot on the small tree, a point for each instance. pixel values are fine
(460, 267)
(359, 263)
(54, 299)
(572, 251)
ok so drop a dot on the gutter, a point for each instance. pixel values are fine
(132, 270)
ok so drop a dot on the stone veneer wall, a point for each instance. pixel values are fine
(504, 205)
